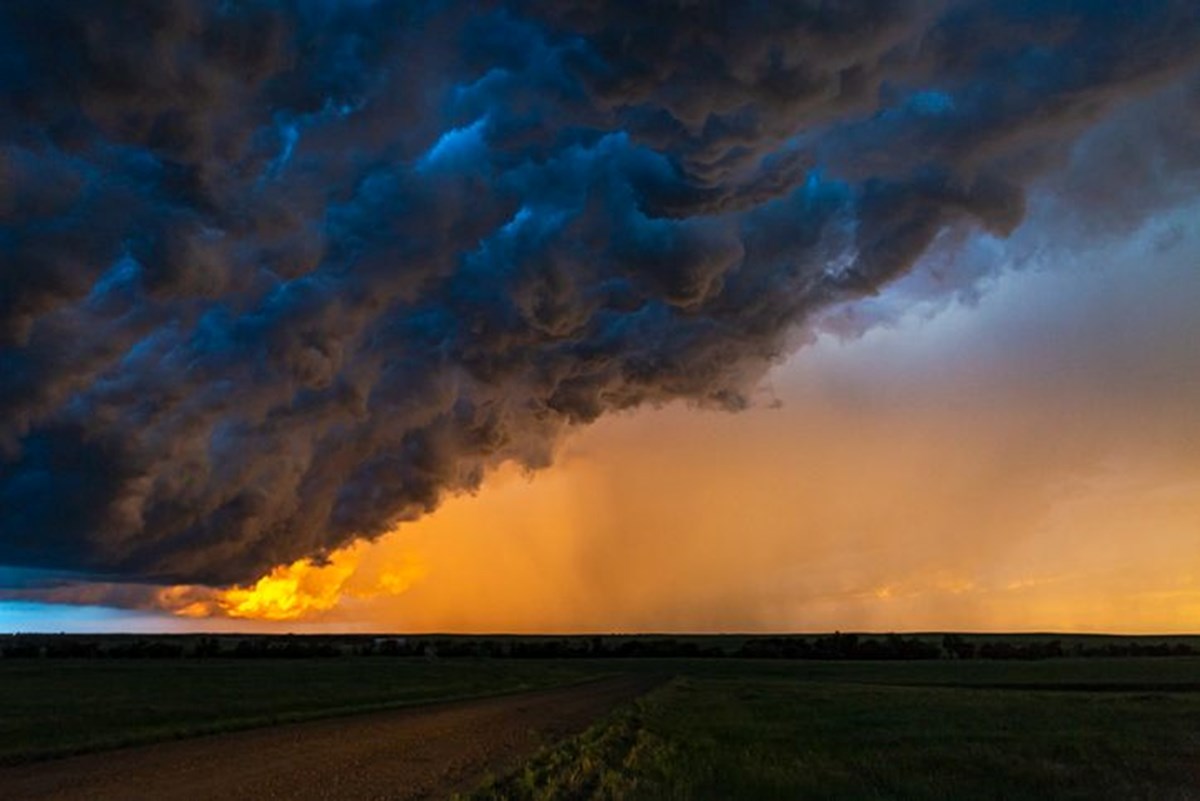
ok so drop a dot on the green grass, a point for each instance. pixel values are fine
(55, 707)
(1182, 673)
(722, 728)
(1119, 729)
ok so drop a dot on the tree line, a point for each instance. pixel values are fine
(836, 646)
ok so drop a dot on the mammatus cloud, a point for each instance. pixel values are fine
(278, 276)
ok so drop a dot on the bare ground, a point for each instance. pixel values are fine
(422, 752)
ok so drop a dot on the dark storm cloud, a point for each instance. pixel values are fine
(280, 275)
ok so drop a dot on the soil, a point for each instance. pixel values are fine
(429, 751)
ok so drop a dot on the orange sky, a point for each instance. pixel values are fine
(978, 466)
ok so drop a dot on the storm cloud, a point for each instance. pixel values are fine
(278, 276)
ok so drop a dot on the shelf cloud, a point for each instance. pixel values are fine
(275, 277)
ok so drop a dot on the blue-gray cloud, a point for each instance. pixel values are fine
(280, 275)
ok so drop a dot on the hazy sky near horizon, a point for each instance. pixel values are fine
(861, 316)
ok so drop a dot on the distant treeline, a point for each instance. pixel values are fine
(830, 646)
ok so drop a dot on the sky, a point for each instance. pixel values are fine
(550, 318)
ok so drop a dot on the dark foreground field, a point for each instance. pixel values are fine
(718, 728)
(1064, 729)
(55, 707)
(427, 751)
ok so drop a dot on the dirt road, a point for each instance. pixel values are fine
(422, 752)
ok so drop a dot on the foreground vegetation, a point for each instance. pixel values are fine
(1119, 729)
(789, 726)
(55, 707)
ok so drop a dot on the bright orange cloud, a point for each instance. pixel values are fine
(301, 590)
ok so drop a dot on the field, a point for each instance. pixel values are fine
(1119, 729)
(58, 706)
(1125, 728)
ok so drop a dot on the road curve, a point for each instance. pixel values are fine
(420, 752)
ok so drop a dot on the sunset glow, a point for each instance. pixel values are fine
(293, 591)
(303, 590)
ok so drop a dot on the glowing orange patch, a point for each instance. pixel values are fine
(291, 591)
(302, 589)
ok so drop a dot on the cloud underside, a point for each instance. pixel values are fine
(277, 277)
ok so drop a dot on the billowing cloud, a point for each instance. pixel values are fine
(278, 276)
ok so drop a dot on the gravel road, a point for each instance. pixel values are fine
(421, 752)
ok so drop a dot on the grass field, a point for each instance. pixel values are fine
(721, 728)
(1072, 729)
(52, 707)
